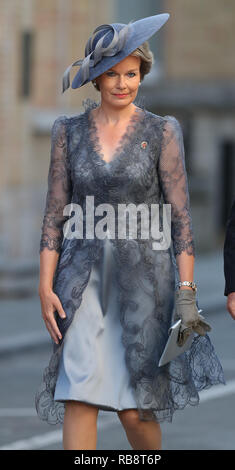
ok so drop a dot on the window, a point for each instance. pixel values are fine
(26, 63)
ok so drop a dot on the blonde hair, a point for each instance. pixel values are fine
(147, 60)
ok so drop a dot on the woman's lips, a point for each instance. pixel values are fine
(121, 95)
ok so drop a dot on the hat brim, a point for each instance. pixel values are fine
(140, 31)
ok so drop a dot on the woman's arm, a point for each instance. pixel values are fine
(58, 195)
(174, 186)
(229, 262)
(49, 300)
(48, 263)
(59, 188)
(229, 253)
(185, 265)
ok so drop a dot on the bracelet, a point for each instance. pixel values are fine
(188, 283)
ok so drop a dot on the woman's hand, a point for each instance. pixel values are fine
(50, 302)
(186, 310)
(231, 304)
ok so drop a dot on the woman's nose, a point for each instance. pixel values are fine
(122, 82)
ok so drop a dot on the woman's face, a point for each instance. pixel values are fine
(119, 85)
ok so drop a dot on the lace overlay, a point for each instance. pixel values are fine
(173, 181)
(137, 173)
(59, 188)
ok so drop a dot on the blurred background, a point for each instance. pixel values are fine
(193, 78)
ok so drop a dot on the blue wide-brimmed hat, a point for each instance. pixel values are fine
(110, 44)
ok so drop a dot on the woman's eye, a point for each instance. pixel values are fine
(130, 73)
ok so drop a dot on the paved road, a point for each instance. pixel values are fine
(211, 425)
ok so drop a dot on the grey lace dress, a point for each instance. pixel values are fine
(118, 294)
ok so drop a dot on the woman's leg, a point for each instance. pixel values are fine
(80, 426)
(142, 435)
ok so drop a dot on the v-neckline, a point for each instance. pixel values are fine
(136, 117)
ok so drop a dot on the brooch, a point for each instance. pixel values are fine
(144, 144)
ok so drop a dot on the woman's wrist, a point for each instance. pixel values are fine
(44, 288)
(187, 284)
(185, 288)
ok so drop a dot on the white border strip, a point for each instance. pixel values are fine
(37, 442)
(44, 440)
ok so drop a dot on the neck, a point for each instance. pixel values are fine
(112, 115)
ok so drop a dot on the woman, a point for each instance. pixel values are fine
(114, 296)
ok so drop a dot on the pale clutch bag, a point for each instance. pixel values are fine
(172, 349)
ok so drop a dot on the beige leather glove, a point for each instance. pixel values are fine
(186, 310)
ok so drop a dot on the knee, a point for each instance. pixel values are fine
(130, 420)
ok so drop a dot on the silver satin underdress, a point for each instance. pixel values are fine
(93, 353)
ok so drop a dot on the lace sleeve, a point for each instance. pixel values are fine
(174, 186)
(59, 190)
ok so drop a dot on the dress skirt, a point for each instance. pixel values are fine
(92, 365)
